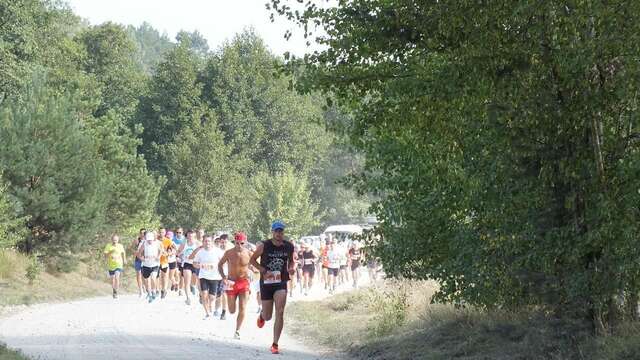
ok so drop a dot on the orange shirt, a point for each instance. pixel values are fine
(164, 258)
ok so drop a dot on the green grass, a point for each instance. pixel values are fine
(370, 324)
(8, 354)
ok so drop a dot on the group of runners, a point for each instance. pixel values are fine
(209, 266)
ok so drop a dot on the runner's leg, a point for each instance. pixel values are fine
(242, 306)
(186, 273)
(280, 300)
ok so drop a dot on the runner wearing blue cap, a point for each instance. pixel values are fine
(276, 266)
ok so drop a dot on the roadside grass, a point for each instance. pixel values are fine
(395, 320)
(54, 280)
(8, 354)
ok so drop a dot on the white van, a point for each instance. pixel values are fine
(343, 234)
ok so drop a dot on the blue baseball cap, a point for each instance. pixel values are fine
(277, 225)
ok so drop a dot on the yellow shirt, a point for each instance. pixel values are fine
(116, 253)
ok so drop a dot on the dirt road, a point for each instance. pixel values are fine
(130, 328)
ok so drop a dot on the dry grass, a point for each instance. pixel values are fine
(351, 323)
(8, 354)
(87, 278)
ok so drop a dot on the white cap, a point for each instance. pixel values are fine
(150, 236)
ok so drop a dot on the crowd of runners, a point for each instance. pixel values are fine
(224, 275)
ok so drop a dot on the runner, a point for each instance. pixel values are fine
(334, 256)
(170, 249)
(354, 259)
(137, 263)
(164, 261)
(325, 263)
(178, 240)
(207, 259)
(308, 267)
(114, 251)
(221, 301)
(238, 281)
(276, 267)
(185, 251)
(344, 273)
(296, 259)
(149, 252)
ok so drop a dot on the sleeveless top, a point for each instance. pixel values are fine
(275, 259)
(308, 258)
(186, 252)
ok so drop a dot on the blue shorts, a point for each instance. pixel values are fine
(137, 265)
(113, 272)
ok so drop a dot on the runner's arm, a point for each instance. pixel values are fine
(292, 262)
(223, 260)
(139, 252)
(255, 256)
(194, 253)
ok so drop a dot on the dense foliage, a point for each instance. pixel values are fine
(501, 138)
(107, 129)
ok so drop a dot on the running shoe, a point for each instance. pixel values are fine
(259, 309)
(237, 335)
(193, 290)
(179, 292)
(223, 317)
(274, 349)
(206, 317)
(260, 321)
(164, 294)
(188, 301)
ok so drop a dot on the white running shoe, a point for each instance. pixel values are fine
(236, 335)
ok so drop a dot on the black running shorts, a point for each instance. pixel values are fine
(147, 271)
(173, 265)
(210, 285)
(267, 291)
(309, 269)
(334, 272)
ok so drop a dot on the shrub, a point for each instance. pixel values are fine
(390, 306)
(33, 269)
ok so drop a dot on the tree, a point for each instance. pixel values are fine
(132, 190)
(171, 104)
(12, 227)
(110, 59)
(52, 169)
(501, 138)
(203, 186)
(151, 46)
(195, 41)
(284, 196)
(262, 118)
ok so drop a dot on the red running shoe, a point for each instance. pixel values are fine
(260, 321)
(274, 349)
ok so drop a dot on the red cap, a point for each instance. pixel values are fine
(240, 236)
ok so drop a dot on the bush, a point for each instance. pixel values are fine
(390, 308)
(33, 269)
(62, 264)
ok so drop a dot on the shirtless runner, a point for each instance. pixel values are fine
(237, 282)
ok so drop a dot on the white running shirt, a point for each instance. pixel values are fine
(335, 258)
(151, 257)
(208, 260)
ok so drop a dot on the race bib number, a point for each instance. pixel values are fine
(149, 258)
(308, 261)
(272, 277)
(206, 266)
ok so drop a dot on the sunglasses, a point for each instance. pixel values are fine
(179, 232)
(239, 242)
(278, 230)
